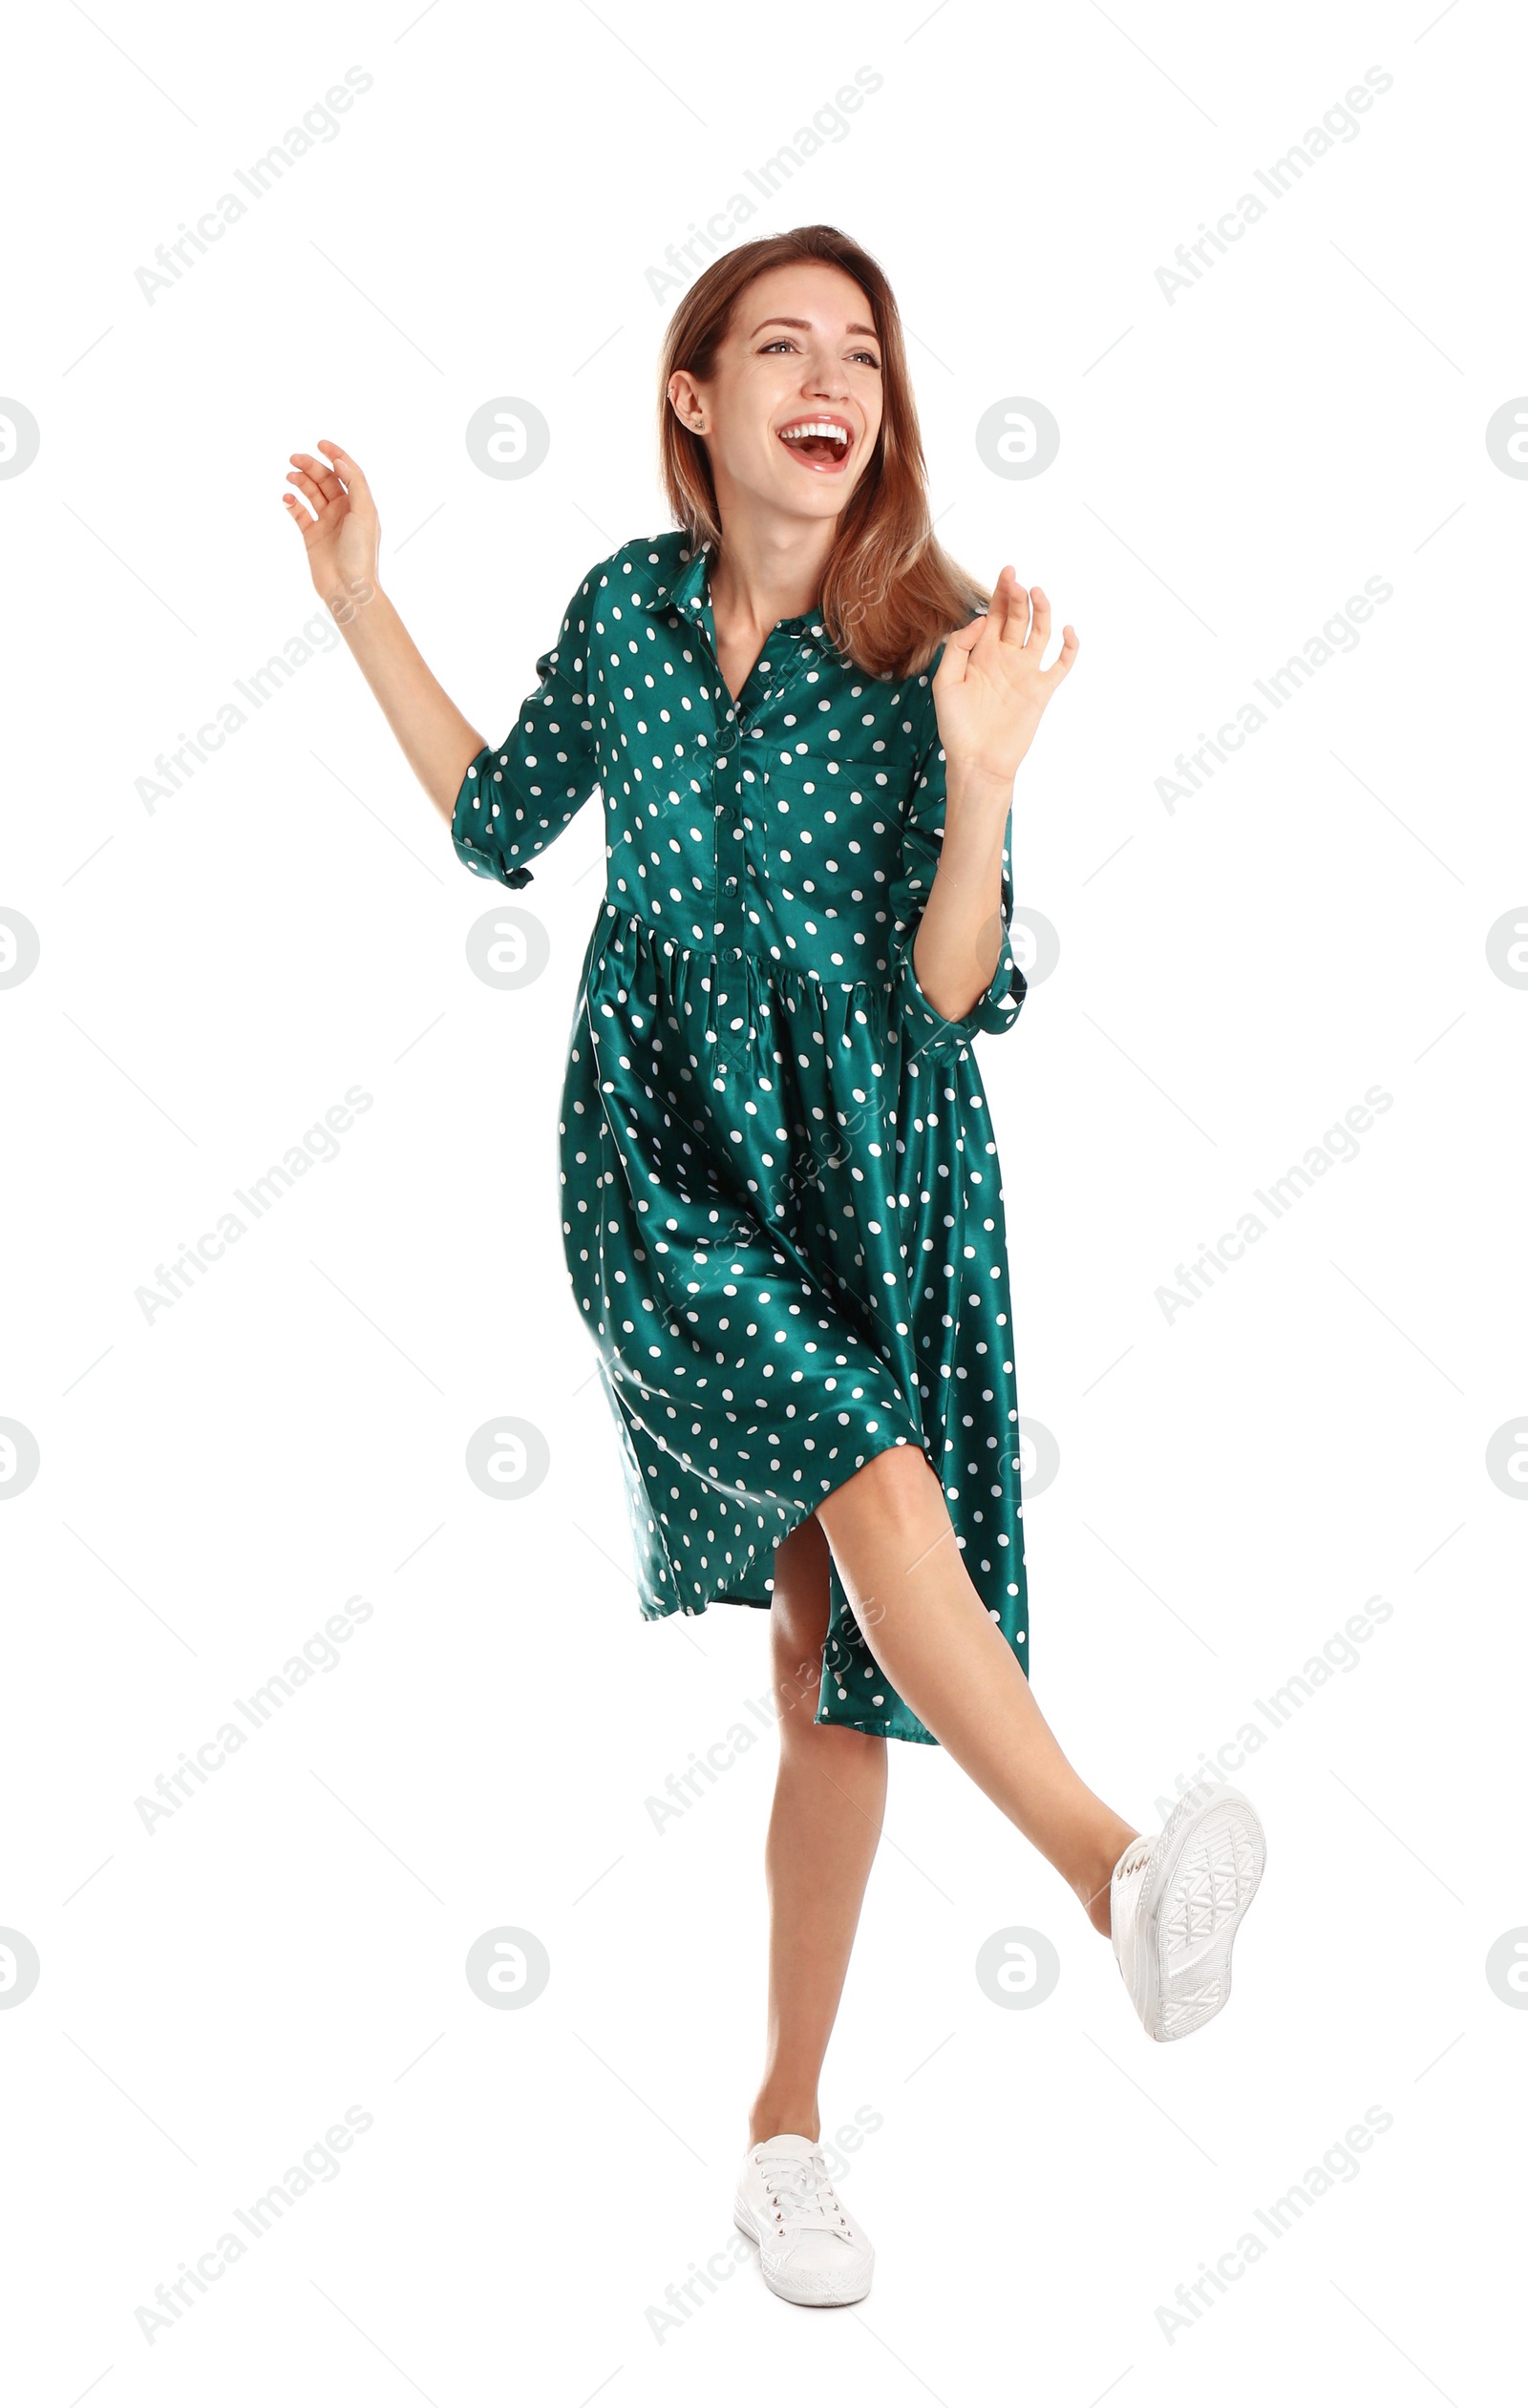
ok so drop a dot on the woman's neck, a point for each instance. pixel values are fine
(763, 575)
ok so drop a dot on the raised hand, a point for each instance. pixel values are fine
(343, 532)
(990, 687)
(340, 534)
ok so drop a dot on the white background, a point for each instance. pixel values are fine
(1235, 1481)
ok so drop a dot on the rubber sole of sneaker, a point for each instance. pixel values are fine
(1202, 1883)
(803, 2290)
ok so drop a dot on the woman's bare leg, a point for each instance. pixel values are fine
(925, 1625)
(829, 1795)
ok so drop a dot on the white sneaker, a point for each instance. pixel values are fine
(1175, 1902)
(809, 2247)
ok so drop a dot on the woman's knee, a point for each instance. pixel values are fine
(801, 1604)
(897, 1492)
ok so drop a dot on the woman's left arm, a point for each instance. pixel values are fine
(990, 691)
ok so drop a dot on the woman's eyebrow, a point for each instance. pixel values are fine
(807, 323)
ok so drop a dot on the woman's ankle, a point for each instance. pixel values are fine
(1094, 1897)
(772, 2115)
(1092, 1883)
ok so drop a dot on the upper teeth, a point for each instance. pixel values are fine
(815, 426)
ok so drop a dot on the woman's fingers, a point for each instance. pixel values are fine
(355, 484)
(321, 472)
(1040, 627)
(1010, 608)
(1064, 658)
(310, 492)
(951, 670)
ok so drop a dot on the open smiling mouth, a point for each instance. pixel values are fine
(819, 444)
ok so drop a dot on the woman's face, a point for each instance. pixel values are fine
(801, 351)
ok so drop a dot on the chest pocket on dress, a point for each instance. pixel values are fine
(859, 792)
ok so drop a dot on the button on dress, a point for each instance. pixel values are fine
(782, 1206)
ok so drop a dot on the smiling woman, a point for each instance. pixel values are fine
(782, 1205)
(752, 338)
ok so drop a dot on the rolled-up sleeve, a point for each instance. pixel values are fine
(924, 1031)
(518, 796)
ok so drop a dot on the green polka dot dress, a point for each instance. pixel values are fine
(782, 1207)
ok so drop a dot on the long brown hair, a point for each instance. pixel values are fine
(890, 592)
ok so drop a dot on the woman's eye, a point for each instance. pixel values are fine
(783, 343)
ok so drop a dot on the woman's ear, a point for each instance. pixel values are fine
(685, 401)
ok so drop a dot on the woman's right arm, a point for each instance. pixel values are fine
(342, 539)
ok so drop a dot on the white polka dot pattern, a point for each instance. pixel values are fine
(782, 1204)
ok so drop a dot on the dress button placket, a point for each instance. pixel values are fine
(728, 914)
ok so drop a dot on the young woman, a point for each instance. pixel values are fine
(782, 1203)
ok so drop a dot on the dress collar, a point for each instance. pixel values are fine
(689, 592)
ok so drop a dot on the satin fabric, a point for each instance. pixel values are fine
(782, 1205)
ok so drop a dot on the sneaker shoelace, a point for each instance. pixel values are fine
(801, 2195)
(1134, 1857)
